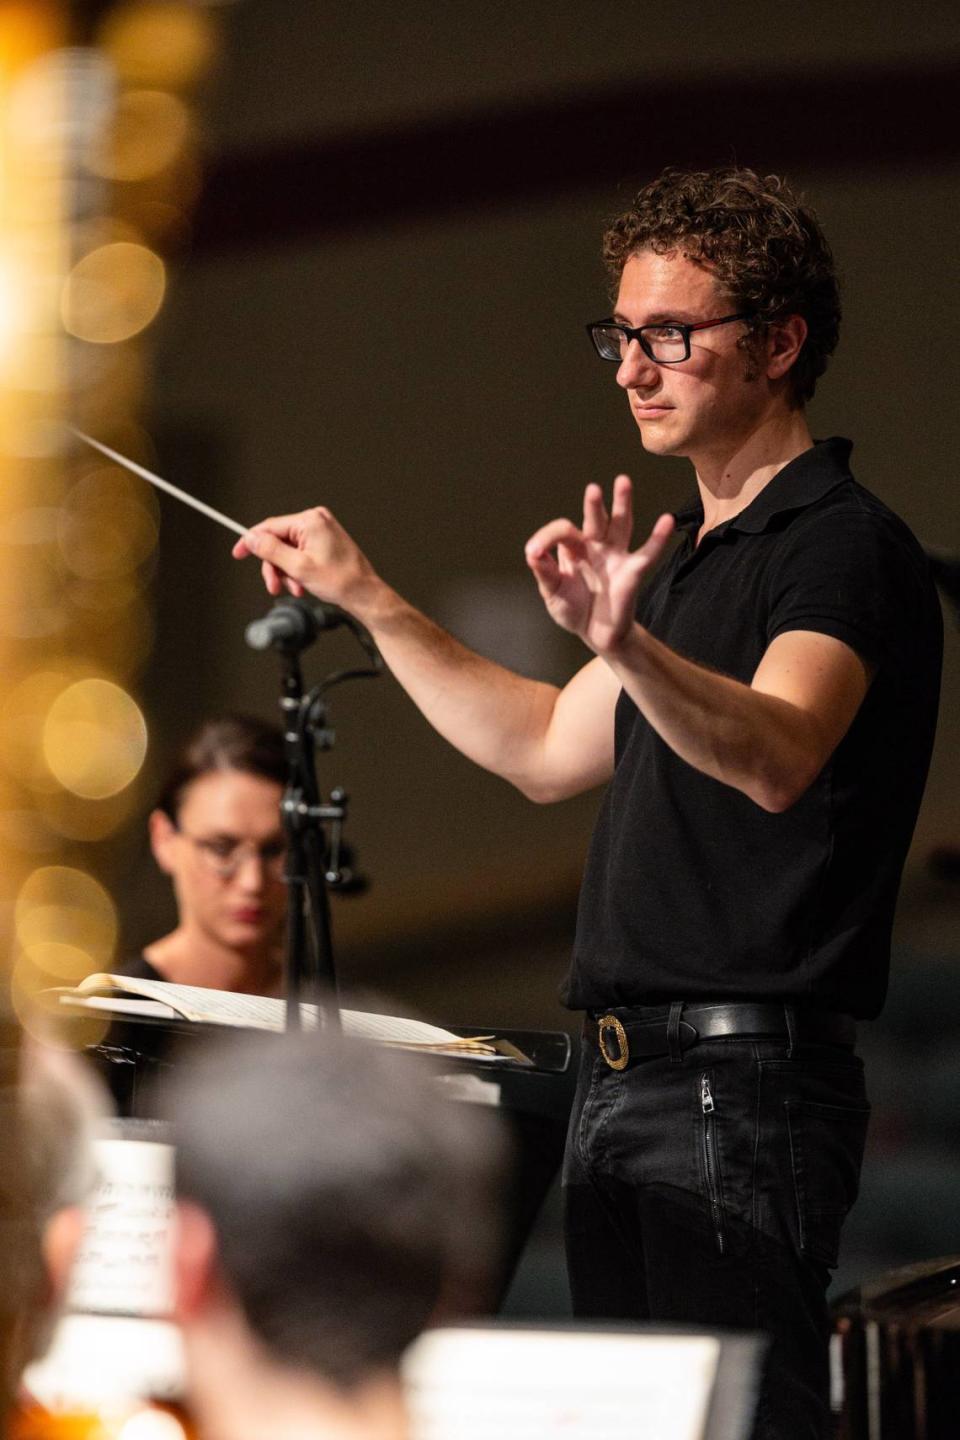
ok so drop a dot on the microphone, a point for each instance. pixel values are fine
(293, 624)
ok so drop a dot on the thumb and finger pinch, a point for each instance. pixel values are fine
(287, 547)
(279, 562)
(554, 559)
(560, 535)
(573, 544)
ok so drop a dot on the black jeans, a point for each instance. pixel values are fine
(711, 1191)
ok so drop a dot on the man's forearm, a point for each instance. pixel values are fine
(496, 718)
(762, 745)
(550, 743)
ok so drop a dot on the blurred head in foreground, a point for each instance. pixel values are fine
(216, 831)
(49, 1111)
(332, 1204)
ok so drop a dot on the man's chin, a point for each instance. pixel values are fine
(657, 442)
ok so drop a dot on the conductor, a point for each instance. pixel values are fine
(762, 715)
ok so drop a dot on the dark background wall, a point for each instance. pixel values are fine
(394, 254)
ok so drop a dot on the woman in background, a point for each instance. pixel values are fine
(217, 833)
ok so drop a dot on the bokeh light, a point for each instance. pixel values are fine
(95, 738)
(104, 527)
(66, 909)
(32, 602)
(62, 95)
(38, 363)
(149, 130)
(119, 634)
(151, 1425)
(99, 170)
(66, 964)
(40, 1015)
(13, 313)
(25, 831)
(23, 715)
(159, 43)
(113, 293)
(76, 818)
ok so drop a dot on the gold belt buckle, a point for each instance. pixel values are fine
(622, 1059)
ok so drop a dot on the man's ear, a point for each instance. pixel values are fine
(194, 1260)
(61, 1241)
(163, 834)
(785, 339)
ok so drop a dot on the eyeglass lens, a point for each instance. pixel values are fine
(227, 856)
(665, 343)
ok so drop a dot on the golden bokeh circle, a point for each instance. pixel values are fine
(39, 1016)
(64, 908)
(94, 738)
(113, 292)
(159, 43)
(150, 128)
(103, 527)
(66, 963)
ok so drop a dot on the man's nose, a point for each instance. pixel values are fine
(636, 367)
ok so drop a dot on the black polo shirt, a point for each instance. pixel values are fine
(691, 890)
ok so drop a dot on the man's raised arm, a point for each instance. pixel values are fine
(549, 743)
(769, 739)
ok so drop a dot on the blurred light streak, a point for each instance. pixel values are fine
(33, 250)
(99, 167)
(12, 312)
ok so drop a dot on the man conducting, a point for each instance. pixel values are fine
(764, 712)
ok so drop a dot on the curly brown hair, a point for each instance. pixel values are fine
(764, 246)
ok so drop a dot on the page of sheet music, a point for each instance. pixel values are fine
(559, 1384)
(125, 1265)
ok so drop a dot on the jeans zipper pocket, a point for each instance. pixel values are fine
(711, 1161)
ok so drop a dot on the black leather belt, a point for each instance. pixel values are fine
(643, 1031)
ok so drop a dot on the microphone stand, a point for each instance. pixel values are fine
(312, 866)
(309, 967)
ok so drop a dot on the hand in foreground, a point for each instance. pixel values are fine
(588, 577)
(309, 551)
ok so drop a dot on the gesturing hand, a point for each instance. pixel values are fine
(588, 577)
(309, 551)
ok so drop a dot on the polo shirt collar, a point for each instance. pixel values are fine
(805, 480)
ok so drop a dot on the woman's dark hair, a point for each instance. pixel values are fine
(764, 246)
(231, 742)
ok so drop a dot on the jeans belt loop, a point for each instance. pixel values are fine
(674, 1048)
(790, 1017)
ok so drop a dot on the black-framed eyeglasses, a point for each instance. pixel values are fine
(224, 855)
(664, 344)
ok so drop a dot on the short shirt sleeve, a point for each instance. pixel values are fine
(849, 572)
